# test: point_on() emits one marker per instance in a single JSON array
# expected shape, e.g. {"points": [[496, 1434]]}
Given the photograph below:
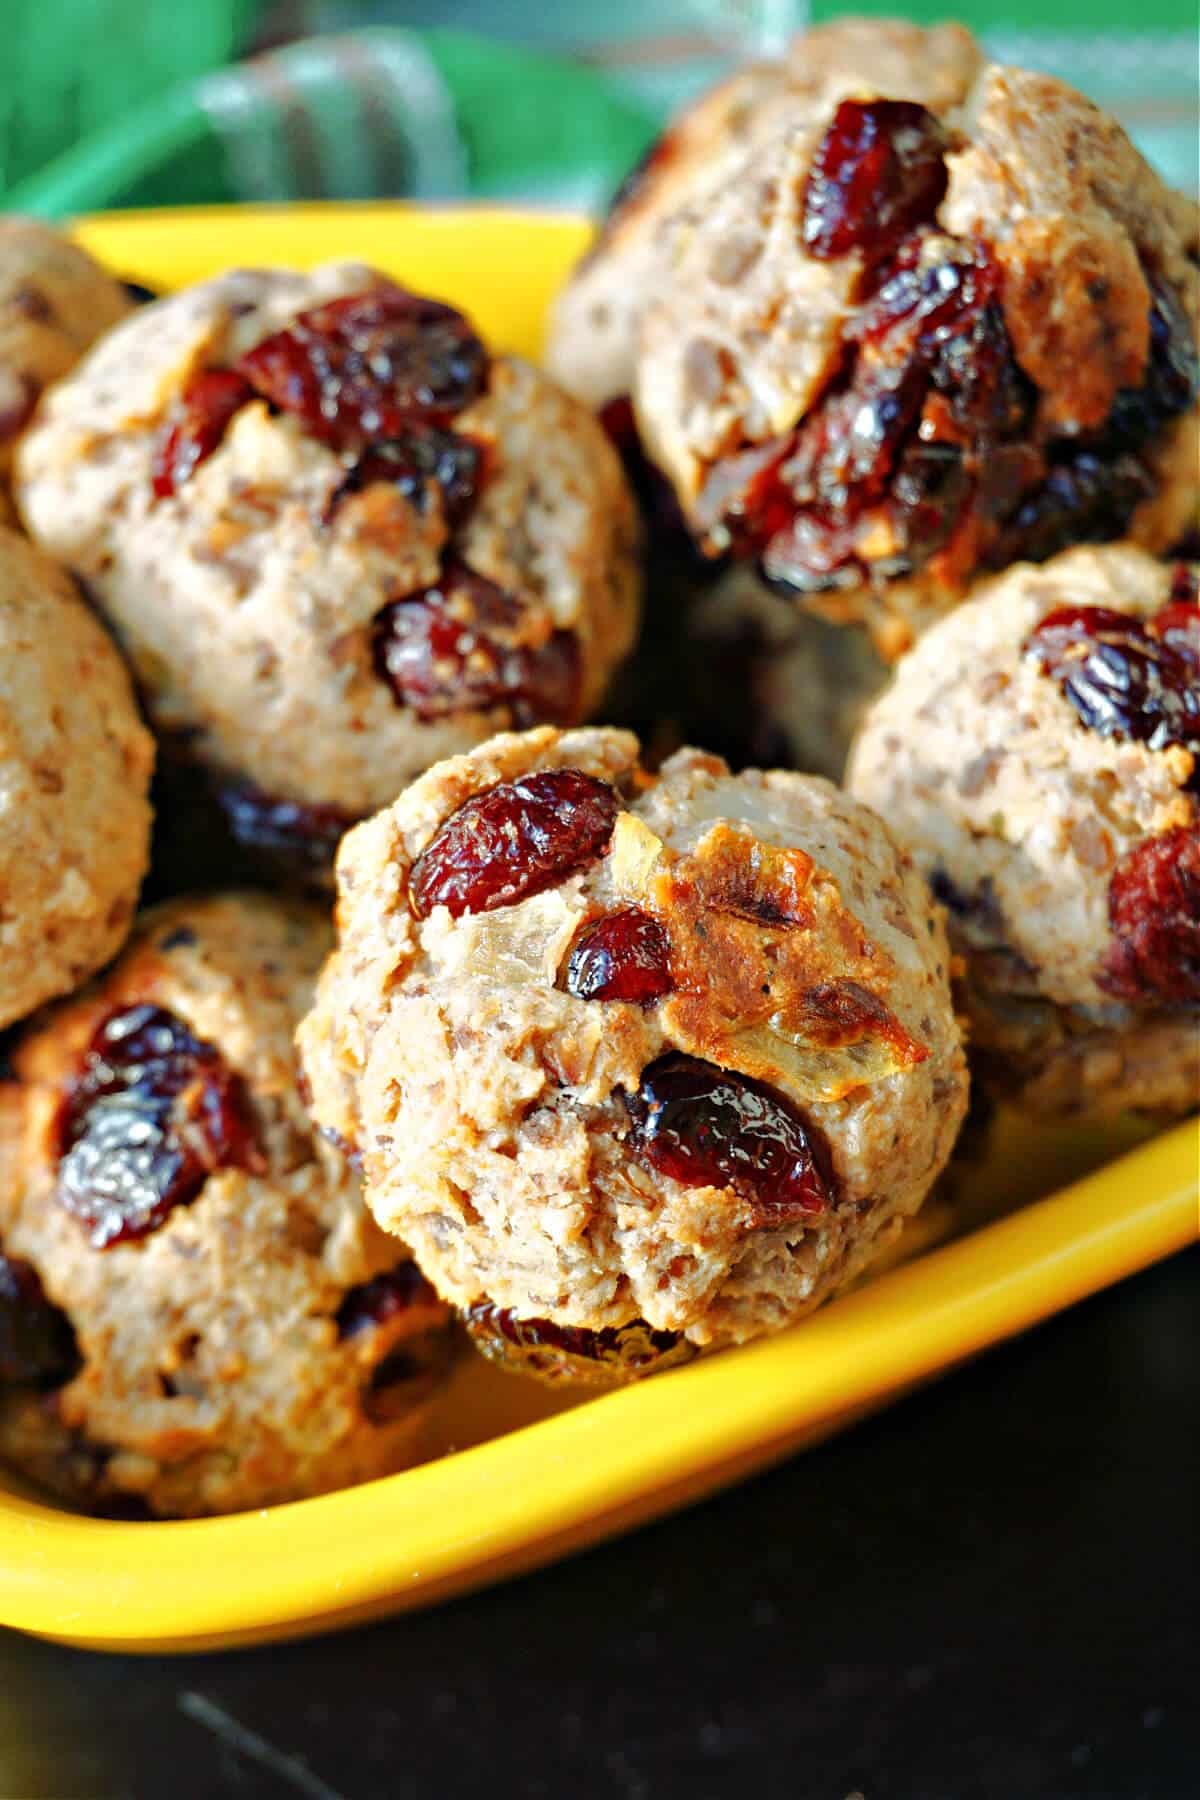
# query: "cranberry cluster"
{"points": [[153, 1111], [920, 445], [1154, 915], [1127, 677]]}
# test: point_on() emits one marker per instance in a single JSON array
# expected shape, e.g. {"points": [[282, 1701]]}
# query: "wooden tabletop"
{"points": [[987, 1593]]}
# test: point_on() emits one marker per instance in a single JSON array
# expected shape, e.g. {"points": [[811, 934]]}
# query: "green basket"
{"points": [[69, 67], [384, 112]]}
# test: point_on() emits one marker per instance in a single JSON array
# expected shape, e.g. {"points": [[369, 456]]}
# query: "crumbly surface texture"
{"points": [[213, 1375], [54, 303], [594, 325], [490, 1104], [75, 763], [745, 330], [982, 768], [247, 606]]}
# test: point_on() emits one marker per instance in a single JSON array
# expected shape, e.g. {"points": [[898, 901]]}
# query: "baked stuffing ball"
{"points": [[196, 1311], [75, 763], [917, 336], [638, 1067], [338, 539], [594, 323], [54, 303], [1039, 754]]}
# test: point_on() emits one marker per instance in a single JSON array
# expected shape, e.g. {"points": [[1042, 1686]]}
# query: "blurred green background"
{"points": [[145, 102]]}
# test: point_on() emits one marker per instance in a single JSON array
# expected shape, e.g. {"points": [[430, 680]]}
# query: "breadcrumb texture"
{"points": [[212, 1376], [595, 321], [54, 303], [982, 768], [75, 764], [246, 608], [488, 1102]]}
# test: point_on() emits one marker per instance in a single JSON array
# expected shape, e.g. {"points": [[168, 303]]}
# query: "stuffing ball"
{"points": [[54, 303], [197, 1314], [919, 334], [594, 323], [75, 764], [1039, 754], [637, 1066], [338, 539]]}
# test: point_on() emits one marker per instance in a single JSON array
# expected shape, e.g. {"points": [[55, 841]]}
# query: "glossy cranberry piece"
{"points": [[930, 388], [383, 1298], [622, 956], [427, 459], [304, 838], [456, 647], [1126, 678], [553, 1352], [152, 1113], [514, 840], [37, 1345], [368, 366], [708, 1127], [1154, 913], [195, 427], [878, 171]]}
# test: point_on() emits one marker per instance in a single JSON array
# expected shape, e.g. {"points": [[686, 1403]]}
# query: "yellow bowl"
{"points": [[519, 1475]]}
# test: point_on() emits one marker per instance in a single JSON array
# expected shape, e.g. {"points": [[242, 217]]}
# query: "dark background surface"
{"points": [[989, 1592]]}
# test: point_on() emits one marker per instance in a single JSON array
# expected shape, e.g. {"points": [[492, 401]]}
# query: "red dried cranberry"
{"points": [[152, 1113], [369, 365], [572, 1352], [37, 1345], [1096, 482], [382, 1298], [930, 385], [623, 956], [456, 647], [878, 171], [1154, 915], [1126, 678], [195, 427], [304, 837], [708, 1127], [514, 840], [425, 458]]}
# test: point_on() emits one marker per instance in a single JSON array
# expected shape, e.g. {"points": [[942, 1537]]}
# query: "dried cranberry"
{"points": [[1083, 499], [1154, 915], [514, 840], [1126, 678], [152, 1113], [383, 1298], [368, 366], [304, 837], [195, 427], [622, 956], [37, 1345], [571, 1352], [708, 1127], [426, 458], [878, 171], [456, 647], [930, 384]]}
